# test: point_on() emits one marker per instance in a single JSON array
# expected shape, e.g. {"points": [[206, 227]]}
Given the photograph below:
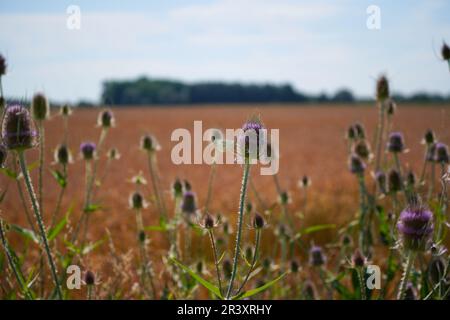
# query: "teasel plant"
{"points": [[382, 95], [18, 136], [40, 110], [358, 263], [62, 157], [429, 140], [209, 224], [137, 204]]}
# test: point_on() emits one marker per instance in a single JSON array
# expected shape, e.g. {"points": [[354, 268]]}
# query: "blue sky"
{"points": [[314, 45]]}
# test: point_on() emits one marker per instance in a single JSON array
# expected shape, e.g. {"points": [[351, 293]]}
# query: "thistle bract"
{"points": [[88, 150], [17, 129], [251, 141], [396, 142], [415, 226], [40, 108]]}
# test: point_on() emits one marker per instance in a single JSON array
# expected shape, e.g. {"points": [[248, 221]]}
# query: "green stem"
{"points": [[239, 227], [22, 199], [210, 186], [41, 164], [408, 266], [216, 260], [362, 285], [255, 257], [380, 129], [363, 215], [90, 290], [145, 272], [40, 223]]}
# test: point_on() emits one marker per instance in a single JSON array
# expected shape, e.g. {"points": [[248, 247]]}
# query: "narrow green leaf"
{"points": [[60, 178], [252, 292], [319, 227], [92, 246], [208, 285], [27, 233], [9, 173]]}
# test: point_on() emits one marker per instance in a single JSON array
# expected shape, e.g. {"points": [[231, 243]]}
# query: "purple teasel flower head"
{"points": [[441, 153], [396, 143], [356, 165], [17, 129], [87, 150], [106, 119], [252, 143], [415, 226], [316, 256], [40, 108], [189, 203]]}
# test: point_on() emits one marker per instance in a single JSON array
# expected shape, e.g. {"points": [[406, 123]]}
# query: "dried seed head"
{"points": [[436, 270], [441, 155], [445, 51], [89, 278], [305, 182], [2, 65], [40, 108], [113, 154], [309, 290], [88, 150], [316, 256], [65, 110], [137, 201], [105, 119], [380, 178], [362, 149], [391, 107], [3, 155], [189, 205], [17, 129], [358, 259], [396, 142], [177, 188], [208, 222], [415, 226], [429, 138], [382, 88], [360, 131], [258, 221], [394, 181], [149, 143], [356, 165], [62, 155], [295, 267]]}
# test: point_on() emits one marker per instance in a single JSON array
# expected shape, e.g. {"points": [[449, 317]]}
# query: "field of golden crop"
{"points": [[312, 142]]}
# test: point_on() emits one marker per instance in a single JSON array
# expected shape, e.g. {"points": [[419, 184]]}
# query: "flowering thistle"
{"points": [[106, 119], [441, 153], [445, 51], [250, 141], [394, 181], [382, 88], [362, 149], [258, 221], [149, 143], [356, 165], [396, 142], [188, 205], [40, 108], [88, 150], [429, 138], [208, 222], [113, 154], [65, 110], [316, 256], [415, 226], [3, 155], [2, 65], [380, 178], [62, 155], [17, 129], [137, 201]]}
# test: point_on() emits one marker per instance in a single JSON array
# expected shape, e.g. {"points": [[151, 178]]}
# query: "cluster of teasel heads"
{"points": [[403, 212]]}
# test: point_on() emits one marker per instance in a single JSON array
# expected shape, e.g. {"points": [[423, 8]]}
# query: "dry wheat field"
{"points": [[140, 227]]}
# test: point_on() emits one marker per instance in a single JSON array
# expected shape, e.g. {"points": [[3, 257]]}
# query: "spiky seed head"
{"points": [[88, 150], [208, 222], [362, 149], [258, 221], [40, 108], [429, 138], [360, 131], [445, 51], [137, 201], [391, 108], [415, 225], [2, 65], [316, 256], [394, 181], [396, 142], [149, 143], [17, 129], [189, 203], [380, 178], [358, 259], [177, 188], [65, 110], [106, 119], [441, 155], [382, 88], [284, 197], [3, 155], [356, 165], [295, 267], [89, 278], [62, 155]]}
